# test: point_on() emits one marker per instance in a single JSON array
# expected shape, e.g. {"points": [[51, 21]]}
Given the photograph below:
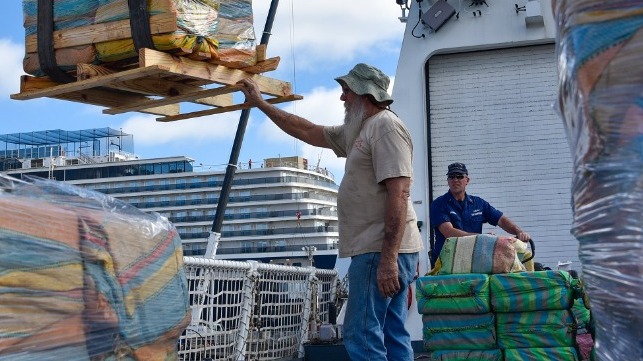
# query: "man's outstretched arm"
{"points": [[448, 230], [510, 227], [293, 125]]}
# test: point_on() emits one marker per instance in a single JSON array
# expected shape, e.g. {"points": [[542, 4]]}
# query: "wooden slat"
{"points": [[151, 85], [96, 96], [187, 97], [113, 30], [232, 108], [260, 51], [263, 66], [215, 73], [90, 83]]}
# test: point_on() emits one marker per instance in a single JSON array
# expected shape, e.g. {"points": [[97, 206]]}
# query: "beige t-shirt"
{"points": [[383, 149]]}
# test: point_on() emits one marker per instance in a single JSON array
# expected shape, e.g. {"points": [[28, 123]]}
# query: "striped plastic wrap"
{"points": [[465, 355], [535, 329], [453, 294], [542, 354], [459, 332], [483, 253], [531, 291], [600, 100], [84, 276]]}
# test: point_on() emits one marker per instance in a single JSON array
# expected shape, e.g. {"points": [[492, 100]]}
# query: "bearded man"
{"points": [[377, 223]]}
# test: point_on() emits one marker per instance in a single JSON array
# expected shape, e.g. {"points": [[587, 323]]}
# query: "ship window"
{"points": [[246, 247]]}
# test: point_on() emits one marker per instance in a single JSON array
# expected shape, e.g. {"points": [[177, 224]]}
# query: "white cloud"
{"points": [[150, 132], [331, 30], [11, 65]]}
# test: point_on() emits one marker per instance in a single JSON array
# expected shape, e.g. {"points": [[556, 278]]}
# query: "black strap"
{"points": [[139, 21], [533, 251], [46, 51]]}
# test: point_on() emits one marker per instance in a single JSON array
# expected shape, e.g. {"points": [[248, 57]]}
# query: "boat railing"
{"points": [[254, 311]]}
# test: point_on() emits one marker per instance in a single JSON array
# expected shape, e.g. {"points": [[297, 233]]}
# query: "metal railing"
{"points": [[253, 311]]}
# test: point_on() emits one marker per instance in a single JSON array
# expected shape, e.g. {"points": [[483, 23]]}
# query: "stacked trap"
{"points": [[505, 313]]}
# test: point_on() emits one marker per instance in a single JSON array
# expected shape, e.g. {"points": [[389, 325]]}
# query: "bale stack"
{"points": [[534, 319], [479, 303], [99, 31], [457, 318]]}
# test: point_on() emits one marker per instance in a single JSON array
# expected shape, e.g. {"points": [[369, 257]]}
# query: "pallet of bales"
{"points": [[145, 55], [482, 302]]}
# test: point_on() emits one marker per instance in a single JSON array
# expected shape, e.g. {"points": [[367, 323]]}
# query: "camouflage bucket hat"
{"points": [[365, 79]]}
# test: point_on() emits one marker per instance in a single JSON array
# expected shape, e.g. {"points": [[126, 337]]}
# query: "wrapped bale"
{"points": [[41, 282], [85, 276], [453, 294], [459, 332], [599, 46], [219, 31], [465, 355], [542, 354], [536, 329], [482, 253], [531, 291]]}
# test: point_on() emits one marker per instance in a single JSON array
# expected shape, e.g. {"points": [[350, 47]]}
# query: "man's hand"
{"points": [[523, 236], [387, 277], [251, 91]]}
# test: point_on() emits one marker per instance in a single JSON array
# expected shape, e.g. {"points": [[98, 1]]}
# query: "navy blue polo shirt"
{"points": [[468, 216]]}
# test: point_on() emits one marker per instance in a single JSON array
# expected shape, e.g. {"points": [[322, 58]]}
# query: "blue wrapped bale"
{"points": [[536, 329], [531, 291], [459, 332], [453, 294]]}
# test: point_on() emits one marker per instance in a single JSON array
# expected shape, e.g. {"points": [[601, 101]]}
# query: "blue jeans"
{"points": [[374, 325]]}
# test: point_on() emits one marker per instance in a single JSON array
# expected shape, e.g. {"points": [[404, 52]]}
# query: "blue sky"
{"points": [[317, 41]]}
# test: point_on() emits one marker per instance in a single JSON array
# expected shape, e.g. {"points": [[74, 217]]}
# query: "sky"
{"points": [[317, 40]]}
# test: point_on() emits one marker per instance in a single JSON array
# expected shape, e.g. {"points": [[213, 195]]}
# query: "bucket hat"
{"points": [[365, 79]]}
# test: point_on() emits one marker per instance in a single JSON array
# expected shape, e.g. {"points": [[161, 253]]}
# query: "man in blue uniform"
{"points": [[458, 214]]}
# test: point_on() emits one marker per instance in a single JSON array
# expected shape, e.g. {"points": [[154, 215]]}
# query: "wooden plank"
{"points": [[215, 73], [187, 97], [95, 96], [263, 66], [260, 51], [151, 86], [113, 30], [203, 113], [90, 83]]}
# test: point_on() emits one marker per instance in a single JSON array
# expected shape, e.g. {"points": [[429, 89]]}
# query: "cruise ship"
{"points": [[280, 211]]}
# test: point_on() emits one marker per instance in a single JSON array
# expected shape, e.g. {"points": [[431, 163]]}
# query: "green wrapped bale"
{"points": [[453, 294], [459, 332], [536, 329], [541, 354], [465, 355], [531, 291]]}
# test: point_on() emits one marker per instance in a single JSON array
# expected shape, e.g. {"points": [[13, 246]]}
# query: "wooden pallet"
{"points": [[159, 85]]}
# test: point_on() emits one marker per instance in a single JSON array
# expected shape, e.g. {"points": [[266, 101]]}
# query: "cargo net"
{"points": [[252, 310]]}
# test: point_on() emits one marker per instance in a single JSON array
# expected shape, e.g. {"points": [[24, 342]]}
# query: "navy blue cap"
{"points": [[457, 168]]}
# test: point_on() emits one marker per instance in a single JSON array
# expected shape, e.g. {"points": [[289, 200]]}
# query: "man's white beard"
{"points": [[354, 116]]}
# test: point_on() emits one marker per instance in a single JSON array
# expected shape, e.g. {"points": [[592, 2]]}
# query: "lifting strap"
{"points": [[139, 24], [46, 52], [139, 21]]}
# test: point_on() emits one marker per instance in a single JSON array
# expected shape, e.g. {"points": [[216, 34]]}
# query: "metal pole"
{"points": [[234, 154]]}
